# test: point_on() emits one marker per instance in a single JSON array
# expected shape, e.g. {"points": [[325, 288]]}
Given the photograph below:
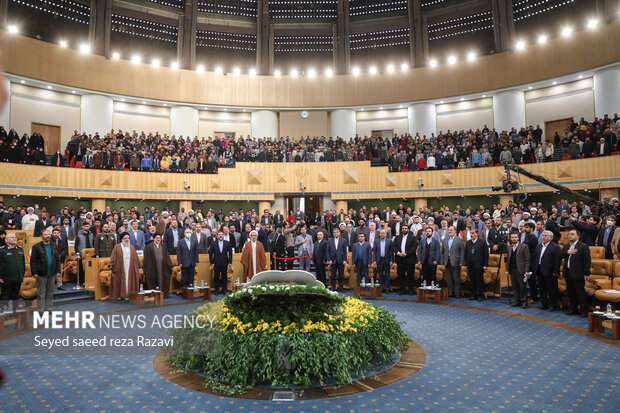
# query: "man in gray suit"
{"points": [[136, 236], [518, 267], [201, 239], [453, 257]]}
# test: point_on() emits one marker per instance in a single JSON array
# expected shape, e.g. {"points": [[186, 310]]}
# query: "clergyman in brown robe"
{"points": [[253, 257], [157, 266], [125, 267], [163, 222]]}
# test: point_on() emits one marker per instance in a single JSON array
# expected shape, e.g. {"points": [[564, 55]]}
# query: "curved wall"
{"points": [[582, 51]]}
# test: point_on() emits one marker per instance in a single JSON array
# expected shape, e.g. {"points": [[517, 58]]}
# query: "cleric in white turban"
{"points": [[253, 257]]}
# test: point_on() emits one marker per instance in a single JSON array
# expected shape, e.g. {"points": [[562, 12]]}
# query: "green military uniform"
{"points": [[104, 243], [12, 269]]}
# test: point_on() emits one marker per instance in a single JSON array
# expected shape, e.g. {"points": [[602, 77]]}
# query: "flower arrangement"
{"points": [[287, 335]]}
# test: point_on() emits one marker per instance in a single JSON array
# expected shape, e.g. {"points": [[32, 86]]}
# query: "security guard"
{"points": [[12, 269], [104, 242]]}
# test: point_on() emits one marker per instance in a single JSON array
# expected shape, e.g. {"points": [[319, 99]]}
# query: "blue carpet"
{"points": [[475, 361]]}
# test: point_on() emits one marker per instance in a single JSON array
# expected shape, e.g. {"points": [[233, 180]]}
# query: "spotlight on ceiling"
{"points": [[116, 55], [49, 87], [592, 24], [520, 45], [329, 72], [252, 72], [554, 83], [144, 102], [567, 31], [311, 73], [236, 71], [63, 43], [404, 67], [294, 73], [471, 56], [135, 59], [542, 39], [462, 99], [155, 63], [174, 65], [219, 70], [372, 70], [390, 68], [433, 63], [451, 59], [356, 71], [380, 107], [277, 73], [84, 48], [200, 69], [13, 29], [580, 76]]}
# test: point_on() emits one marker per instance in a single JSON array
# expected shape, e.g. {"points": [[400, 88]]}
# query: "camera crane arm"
{"points": [[516, 168]]}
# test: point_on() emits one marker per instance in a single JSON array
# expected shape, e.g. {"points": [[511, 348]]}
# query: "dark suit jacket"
{"points": [[203, 245], [362, 254], [351, 238], [579, 262], [169, 240], [532, 242], [320, 252], [393, 228], [551, 225], [522, 258], [434, 253], [410, 248], [476, 255], [337, 256], [376, 251], [39, 226], [187, 257], [220, 258], [280, 245], [550, 260]]}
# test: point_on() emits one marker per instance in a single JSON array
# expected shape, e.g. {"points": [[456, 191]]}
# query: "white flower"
{"points": [[287, 288], [263, 288], [271, 287]]}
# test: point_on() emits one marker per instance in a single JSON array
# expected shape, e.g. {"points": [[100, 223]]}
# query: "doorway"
{"points": [[51, 135], [558, 126], [310, 205], [224, 135]]}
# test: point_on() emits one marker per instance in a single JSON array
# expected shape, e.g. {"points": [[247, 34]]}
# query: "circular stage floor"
{"points": [[486, 358]]}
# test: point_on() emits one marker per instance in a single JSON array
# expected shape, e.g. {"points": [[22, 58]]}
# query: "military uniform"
{"points": [[12, 269], [104, 243]]}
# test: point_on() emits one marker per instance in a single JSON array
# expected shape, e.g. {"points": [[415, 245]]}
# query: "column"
{"points": [[342, 46], [342, 122], [185, 204], [506, 199], [509, 110], [503, 25], [5, 114], [263, 205], [186, 40], [98, 204], [264, 52], [342, 204], [608, 194], [264, 124], [184, 121], [4, 9], [606, 87], [100, 26], [422, 119], [96, 113], [420, 203], [418, 34]]}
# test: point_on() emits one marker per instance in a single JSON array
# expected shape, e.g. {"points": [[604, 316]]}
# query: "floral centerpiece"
{"points": [[287, 335]]}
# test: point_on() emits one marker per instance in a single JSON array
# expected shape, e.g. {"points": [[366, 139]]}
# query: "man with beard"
{"points": [[220, 256], [253, 257], [157, 266], [125, 267]]}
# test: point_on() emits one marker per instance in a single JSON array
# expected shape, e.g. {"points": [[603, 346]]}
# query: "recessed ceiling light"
{"points": [[311, 73], [49, 87], [156, 63], [391, 68], [580, 76], [592, 24], [567, 31], [356, 71], [433, 63], [362, 109], [400, 106], [441, 101], [22, 81], [165, 104], [252, 72], [484, 96], [84, 48], [277, 73], [122, 99], [554, 83], [73, 91], [520, 45], [200, 69], [471, 56], [451, 59], [236, 71], [174, 65], [293, 72], [225, 109], [219, 70], [529, 88], [135, 59], [329, 72], [542, 39], [13, 29], [462, 99], [144, 102], [63, 43], [244, 110], [404, 67], [380, 107], [116, 55], [372, 70]]}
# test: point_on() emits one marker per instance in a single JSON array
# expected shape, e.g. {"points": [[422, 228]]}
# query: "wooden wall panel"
{"points": [[264, 181], [584, 50]]}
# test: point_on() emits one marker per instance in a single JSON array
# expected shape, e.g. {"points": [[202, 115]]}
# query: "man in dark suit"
{"points": [[532, 242], [383, 258], [587, 228], [553, 226], [404, 247], [187, 258], [577, 262], [62, 252], [347, 233], [279, 249], [476, 260], [220, 256], [67, 232], [608, 232], [172, 236], [429, 254], [546, 267], [41, 224], [453, 257], [602, 148], [201, 239], [517, 268], [319, 257], [278, 219], [396, 226], [362, 258], [336, 258]]}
